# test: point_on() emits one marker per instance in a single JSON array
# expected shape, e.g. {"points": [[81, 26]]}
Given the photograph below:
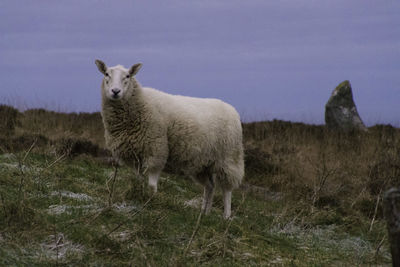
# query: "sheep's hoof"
{"points": [[228, 217], [152, 189]]}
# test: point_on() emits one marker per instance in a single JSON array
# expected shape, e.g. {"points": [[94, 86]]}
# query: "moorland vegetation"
{"points": [[311, 196]]}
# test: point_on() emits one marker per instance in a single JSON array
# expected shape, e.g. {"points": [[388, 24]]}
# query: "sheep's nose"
{"points": [[115, 91]]}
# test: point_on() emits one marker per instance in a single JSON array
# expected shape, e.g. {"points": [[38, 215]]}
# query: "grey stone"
{"points": [[341, 111]]}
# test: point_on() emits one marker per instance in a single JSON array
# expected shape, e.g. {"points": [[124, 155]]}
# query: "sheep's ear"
{"points": [[101, 66], [135, 69]]}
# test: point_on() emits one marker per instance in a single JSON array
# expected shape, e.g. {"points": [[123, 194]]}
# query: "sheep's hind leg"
{"points": [[208, 195], [153, 180], [227, 203]]}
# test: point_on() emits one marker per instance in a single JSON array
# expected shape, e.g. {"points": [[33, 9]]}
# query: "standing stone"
{"points": [[341, 111]]}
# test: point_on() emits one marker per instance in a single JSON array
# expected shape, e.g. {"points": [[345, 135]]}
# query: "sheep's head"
{"points": [[117, 79]]}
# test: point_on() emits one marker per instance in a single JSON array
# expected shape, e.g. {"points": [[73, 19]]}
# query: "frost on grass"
{"points": [[12, 162], [122, 236], [57, 209], [8, 156], [194, 203], [58, 247], [327, 239], [278, 261], [68, 209], [54, 248], [13, 165], [123, 207], [68, 194]]}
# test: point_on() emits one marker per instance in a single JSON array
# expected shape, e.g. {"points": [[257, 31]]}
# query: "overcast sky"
{"points": [[268, 58]]}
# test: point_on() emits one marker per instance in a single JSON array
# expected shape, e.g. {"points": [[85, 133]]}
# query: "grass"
{"points": [[62, 216], [312, 197]]}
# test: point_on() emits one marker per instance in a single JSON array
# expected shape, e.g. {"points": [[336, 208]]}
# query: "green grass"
{"points": [[59, 214]]}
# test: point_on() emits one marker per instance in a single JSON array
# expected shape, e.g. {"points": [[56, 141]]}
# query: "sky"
{"points": [[270, 59]]}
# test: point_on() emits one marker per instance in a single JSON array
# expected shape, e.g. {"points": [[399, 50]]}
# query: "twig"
{"points": [[196, 229], [56, 243], [57, 160], [94, 215], [29, 150], [358, 197], [20, 166], [379, 246], [376, 210]]}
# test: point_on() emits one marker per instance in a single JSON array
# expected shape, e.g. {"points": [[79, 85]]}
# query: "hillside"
{"points": [[311, 197]]}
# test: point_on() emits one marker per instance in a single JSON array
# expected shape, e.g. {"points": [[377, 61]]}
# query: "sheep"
{"points": [[200, 138]]}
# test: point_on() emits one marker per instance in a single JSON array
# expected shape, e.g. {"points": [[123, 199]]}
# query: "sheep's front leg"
{"points": [[227, 203], [153, 180]]}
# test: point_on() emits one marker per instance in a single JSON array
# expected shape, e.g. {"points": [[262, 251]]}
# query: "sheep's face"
{"points": [[117, 80]]}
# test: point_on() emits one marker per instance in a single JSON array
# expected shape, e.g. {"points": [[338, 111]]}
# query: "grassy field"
{"points": [[311, 197]]}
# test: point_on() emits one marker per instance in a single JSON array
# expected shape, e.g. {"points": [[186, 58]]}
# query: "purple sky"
{"points": [[269, 59]]}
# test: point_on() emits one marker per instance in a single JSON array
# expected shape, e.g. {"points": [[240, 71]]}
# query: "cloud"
{"points": [[276, 57]]}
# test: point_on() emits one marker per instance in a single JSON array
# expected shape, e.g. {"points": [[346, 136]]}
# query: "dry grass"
{"points": [[54, 125], [325, 168], [305, 162], [311, 194]]}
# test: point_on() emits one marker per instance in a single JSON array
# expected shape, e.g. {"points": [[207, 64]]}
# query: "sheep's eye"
{"points": [[107, 75], [127, 76]]}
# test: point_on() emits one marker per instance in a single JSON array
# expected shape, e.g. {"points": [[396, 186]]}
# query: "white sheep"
{"points": [[198, 138]]}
